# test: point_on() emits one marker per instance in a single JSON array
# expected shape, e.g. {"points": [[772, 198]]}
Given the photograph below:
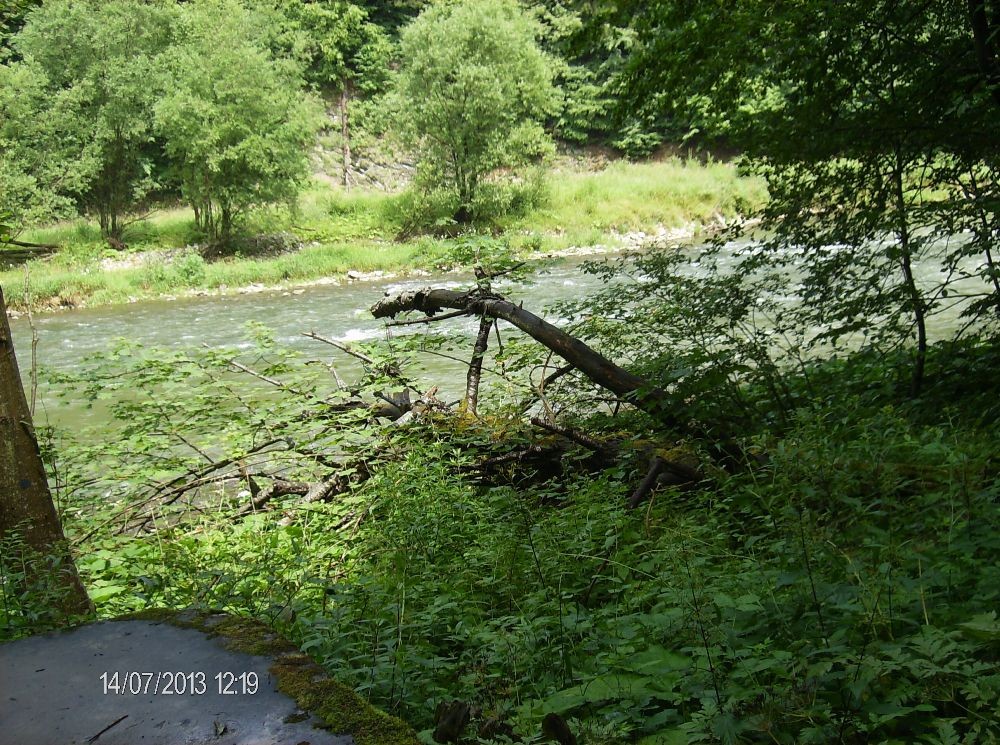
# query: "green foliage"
{"points": [[834, 577], [29, 590], [346, 231], [591, 43], [12, 17], [6, 229], [843, 591], [77, 109], [186, 270], [235, 119], [873, 136], [860, 194], [471, 94], [338, 44]]}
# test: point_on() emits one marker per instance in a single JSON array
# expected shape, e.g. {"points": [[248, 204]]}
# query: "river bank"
{"points": [[335, 237], [428, 264]]}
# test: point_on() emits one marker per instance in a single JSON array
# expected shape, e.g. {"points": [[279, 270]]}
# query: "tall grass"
{"points": [[52, 285], [164, 228], [634, 196], [356, 230]]}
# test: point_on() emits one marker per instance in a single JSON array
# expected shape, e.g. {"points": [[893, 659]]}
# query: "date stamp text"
{"points": [[134, 683]]}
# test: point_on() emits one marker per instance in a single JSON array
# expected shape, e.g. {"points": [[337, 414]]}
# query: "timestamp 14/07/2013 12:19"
{"points": [[134, 683]]}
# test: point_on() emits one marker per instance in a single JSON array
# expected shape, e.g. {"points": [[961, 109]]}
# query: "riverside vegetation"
{"points": [[747, 491], [845, 587], [329, 232]]}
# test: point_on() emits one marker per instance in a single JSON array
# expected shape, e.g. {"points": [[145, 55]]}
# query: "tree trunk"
{"points": [[984, 234], [475, 373], [26, 506], [985, 42], [345, 132], [917, 305], [225, 224], [595, 366]]}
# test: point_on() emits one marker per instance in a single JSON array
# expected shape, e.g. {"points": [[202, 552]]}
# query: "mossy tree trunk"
{"points": [[27, 514]]}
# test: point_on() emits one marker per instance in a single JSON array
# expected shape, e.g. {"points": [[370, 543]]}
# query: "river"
{"points": [[338, 311]]}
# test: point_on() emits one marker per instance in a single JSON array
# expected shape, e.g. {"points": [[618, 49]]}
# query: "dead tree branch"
{"points": [[648, 482], [667, 472], [277, 488], [580, 438], [427, 319], [595, 366], [48, 247], [475, 373], [260, 376], [173, 489], [342, 347]]}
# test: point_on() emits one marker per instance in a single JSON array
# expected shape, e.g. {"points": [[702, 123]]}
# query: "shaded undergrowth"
{"points": [[843, 589]]}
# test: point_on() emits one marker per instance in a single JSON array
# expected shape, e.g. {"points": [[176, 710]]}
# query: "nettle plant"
{"points": [[811, 600]]}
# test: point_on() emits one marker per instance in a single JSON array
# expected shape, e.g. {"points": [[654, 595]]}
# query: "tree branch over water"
{"points": [[591, 363]]}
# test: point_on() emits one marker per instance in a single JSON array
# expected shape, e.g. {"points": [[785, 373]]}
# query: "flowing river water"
{"points": [[337, 311]]}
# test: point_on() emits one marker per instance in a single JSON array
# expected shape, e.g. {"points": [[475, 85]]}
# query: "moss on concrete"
{"points": [[340, 709]]}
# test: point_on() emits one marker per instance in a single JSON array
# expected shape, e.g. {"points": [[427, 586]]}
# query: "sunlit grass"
{"points": [[357, 229], [54, 285], [635, 196]]}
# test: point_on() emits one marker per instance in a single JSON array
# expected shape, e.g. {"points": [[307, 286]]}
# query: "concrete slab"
{"points": [[145, 682]]}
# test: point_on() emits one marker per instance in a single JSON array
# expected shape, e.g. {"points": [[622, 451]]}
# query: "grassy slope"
{"points": [[633, 196], [355, 231]]}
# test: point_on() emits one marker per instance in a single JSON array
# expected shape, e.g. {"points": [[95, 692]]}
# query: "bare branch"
{"points": [[595, 366], [427, 319], [648, 483], [277, 488], [476, 365], [342, 347], [576, 436]]}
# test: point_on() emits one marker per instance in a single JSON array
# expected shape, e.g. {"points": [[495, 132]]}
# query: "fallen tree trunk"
{"points": [[594, 365], [47, 247], [17, 252], [278, 488]]}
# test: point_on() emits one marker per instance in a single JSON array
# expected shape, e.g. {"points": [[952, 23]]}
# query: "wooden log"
{"points": [[594, 365], [647, 484], [46, 247]]}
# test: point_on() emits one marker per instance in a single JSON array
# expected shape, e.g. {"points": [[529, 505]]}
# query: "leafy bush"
{"points": [[190, 269], [844, 590], [511, 199], [424, 211], [472, 92]]}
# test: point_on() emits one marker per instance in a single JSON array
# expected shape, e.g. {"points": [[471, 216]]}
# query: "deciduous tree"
{"points": [[343, 52], [472, 92], [237, 121], [874, 127], [76, 115]]}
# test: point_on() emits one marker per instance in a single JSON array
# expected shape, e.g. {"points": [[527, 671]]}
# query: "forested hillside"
{"points": [[560, 371]]}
